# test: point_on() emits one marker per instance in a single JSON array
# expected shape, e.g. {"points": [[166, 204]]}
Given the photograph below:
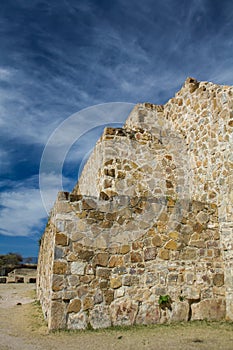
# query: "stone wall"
{"points": [[150, 216]]}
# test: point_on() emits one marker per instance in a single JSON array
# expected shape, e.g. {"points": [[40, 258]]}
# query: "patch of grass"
{"points": [[30, 293], [152, 329], [36, 317]]}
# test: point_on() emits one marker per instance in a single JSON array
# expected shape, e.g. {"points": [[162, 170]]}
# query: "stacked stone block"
{"points": [[150, 216]]}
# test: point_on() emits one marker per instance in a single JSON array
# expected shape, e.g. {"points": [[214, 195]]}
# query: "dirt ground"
{"points": [[23, 328]]}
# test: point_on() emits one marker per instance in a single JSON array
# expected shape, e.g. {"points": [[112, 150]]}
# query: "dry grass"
{"points": [[23, 327]]}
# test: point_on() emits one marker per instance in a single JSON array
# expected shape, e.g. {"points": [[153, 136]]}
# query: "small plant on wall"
{"points": [[165, 301]]}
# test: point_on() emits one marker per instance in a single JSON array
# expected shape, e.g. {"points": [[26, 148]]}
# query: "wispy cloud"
{"points": [[59, 57], [4, 74], [22, 212]]}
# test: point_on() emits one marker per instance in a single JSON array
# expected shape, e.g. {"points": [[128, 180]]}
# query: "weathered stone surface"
{"points": [[72, 257], [82, 290], [101, 259], [61, 239], [103, 284], [87, 303], [59, 252], [130, 280], [180, 311], [57, 283], [108, 296], [157, 241], [85, 254], [197, 227], [150, 253], [137, 245], [121, 270], [120, 292], [67, 295], [151, 279], [148, 313], [164, 254], [202, 217], [77, 321], [78, 268], [103, 272], [192, 292], [211, 310], [188, 254], [56, 296], [74, 306], [136, 257], [86, 278], [72, 280], [116, 261], [59, 267], [57, 319], [124, 249], [218, 279], [100, 317], [123, 312], [98, 297], [171, 245], [115, 282]]}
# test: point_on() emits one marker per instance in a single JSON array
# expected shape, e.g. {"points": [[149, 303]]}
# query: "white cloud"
{"points": [[5, 74], [22, 211], [50, 184]]}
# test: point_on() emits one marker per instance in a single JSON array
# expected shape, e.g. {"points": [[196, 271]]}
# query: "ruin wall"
{"points": [[151, 216]]}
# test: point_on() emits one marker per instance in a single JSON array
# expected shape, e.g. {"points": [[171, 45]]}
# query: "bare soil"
{"points": [[23, 328]]}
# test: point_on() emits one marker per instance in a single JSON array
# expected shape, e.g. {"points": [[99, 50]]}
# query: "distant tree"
{"points": [[10, 259]]}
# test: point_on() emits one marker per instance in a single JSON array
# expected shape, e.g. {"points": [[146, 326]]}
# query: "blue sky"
{"points": [[59, 57]]}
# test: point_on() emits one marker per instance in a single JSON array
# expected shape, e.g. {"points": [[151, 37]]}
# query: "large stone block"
{"points": [[78, 268], [77, 321], [101, 259], [149, 313], [123, 311], [57, 315], [74, 306], [87, 303], [61, 239], [191, 292], [99, 317], [180, 311], [60, 267], [211, 310]]}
